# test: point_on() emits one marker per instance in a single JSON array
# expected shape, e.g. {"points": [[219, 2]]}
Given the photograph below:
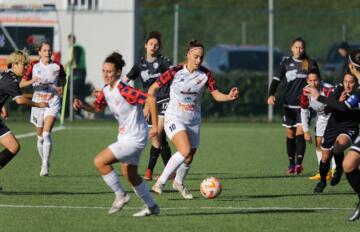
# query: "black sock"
{"points": [[339, 158], [165, 153], [5, 157], [300, 148], [154, 154], [290, 145], [323, 170], [354, 180]]}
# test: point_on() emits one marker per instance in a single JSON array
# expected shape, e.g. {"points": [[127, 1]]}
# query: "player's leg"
{"points": [[154, 155], [102, 163], [12, 146], [324, 168], [350, 165], [289, 122], [318, 140], [47, 144], [165, 148], [342, 142], [140, 188], [300, 148], [37, 119]]}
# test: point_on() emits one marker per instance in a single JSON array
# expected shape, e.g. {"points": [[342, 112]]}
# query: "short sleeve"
{"points": [[131, 95], [165, 78], [100, 102], [134, 72], [211, 83], [13, 89], [279, 73], [28, 72]]}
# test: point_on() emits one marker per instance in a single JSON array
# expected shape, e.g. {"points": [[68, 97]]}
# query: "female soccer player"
{"points": [[125, 103], [351, 104], [47, 78], [148, 69], [295, 70], [9, 87], [183, 116], [340, 132], [307, 102]]}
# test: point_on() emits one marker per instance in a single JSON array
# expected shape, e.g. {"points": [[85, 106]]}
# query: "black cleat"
{"points": [[356, 214], [336, 177], [319, 188]]}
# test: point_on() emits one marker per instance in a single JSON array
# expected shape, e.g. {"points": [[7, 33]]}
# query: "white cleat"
{"points": [[119, 203], [155, 210], [44, 171], [185, 193], [158, 188]]}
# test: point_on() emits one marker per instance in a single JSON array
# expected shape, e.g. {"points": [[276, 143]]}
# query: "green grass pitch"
{"points": [[249, 159]]}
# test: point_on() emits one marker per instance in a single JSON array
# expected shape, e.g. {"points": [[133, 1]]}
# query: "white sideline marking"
{"points": [[21, 136], [178, 208]]}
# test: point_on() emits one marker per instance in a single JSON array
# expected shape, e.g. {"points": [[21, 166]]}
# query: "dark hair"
{"points": [[314, 71], [73, 37], [304, 57], [45, 42], [354, 58], [116, 59], [344, 45], [154, 35], [194, 44]]}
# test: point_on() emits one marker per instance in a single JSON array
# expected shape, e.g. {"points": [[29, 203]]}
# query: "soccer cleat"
{"points": [[44, 171], [356, 214], [147, 211], [185, 193], [320, 186], [148, 175], [336, 177], [158, 187], [298, 169], [290, 170], [118, 203], [315, 177]]}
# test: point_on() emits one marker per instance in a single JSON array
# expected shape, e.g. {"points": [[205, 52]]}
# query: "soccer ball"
{"points": [[210, 187]]}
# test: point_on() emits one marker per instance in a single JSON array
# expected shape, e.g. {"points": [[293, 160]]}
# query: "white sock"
{"points": [[142, 191], [333, 164], [181, 173], [47, 145], [113, 181], [174, 162], [318, 155], [39, 144]]}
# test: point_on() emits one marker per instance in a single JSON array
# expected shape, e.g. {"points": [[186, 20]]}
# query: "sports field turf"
{"points": [[249, 159]]}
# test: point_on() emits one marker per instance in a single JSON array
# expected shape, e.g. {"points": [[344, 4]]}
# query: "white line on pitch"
{"points": [[180, 208], [26, 135]]}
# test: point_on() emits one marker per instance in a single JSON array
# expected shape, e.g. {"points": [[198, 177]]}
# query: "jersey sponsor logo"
{"points": [[292, 65], [291, 75], [186, 107], [156, 65], [146, 76]]}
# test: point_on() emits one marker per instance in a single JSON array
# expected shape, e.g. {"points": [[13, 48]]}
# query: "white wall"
{"points": [[101, 32]]}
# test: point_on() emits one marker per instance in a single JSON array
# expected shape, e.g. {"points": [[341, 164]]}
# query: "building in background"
{"points": [[102, 26]]}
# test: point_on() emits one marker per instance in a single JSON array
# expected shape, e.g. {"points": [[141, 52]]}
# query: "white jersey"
{"points": [[123, 101], [307, 102], [186, 89], [48, 79]]}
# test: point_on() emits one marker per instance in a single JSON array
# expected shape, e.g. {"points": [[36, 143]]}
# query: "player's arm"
{"points": [[278, 75], [97, 106], [151, 103], [22, 100], [221, 97]]}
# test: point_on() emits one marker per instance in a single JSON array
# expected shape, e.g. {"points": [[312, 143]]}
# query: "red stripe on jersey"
{"points": [[304, 100], [167, 76], [100, 102], [28, 72], [131, 95], [211, 83], [327, 91]]}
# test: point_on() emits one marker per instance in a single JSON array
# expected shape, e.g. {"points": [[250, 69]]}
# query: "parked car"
{"points": [[226, 58], [333, 60]]}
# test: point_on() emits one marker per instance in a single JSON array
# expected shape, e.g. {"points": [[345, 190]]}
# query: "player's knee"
{"points": [[98, 163], [348, 166], [14, 148]]}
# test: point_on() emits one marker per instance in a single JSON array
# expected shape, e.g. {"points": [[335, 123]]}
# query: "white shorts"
{"points": [[38, 115], [321, 123], [172, 126], [127, 151]]}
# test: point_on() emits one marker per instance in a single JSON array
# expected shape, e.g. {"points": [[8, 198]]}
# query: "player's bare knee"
{"points": [[98, 163], [14, 148], [348, 166]]}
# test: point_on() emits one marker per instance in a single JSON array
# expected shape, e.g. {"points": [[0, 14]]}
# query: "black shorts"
{"points": [[3, 128], [356, 145], [331, 134], [291, 117], [162, 106]]}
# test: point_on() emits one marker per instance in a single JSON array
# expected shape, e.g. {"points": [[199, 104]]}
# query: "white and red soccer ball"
{"points": [[210, 187]]}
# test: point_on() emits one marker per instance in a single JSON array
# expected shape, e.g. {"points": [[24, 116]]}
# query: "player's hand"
{"points": [[43, 104], [312, 91], [234, 93], [59, 90], [307, 137], [271, 100], [78, 104], [35, 79], [4, 113], [153, 132], [343, 96]]}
